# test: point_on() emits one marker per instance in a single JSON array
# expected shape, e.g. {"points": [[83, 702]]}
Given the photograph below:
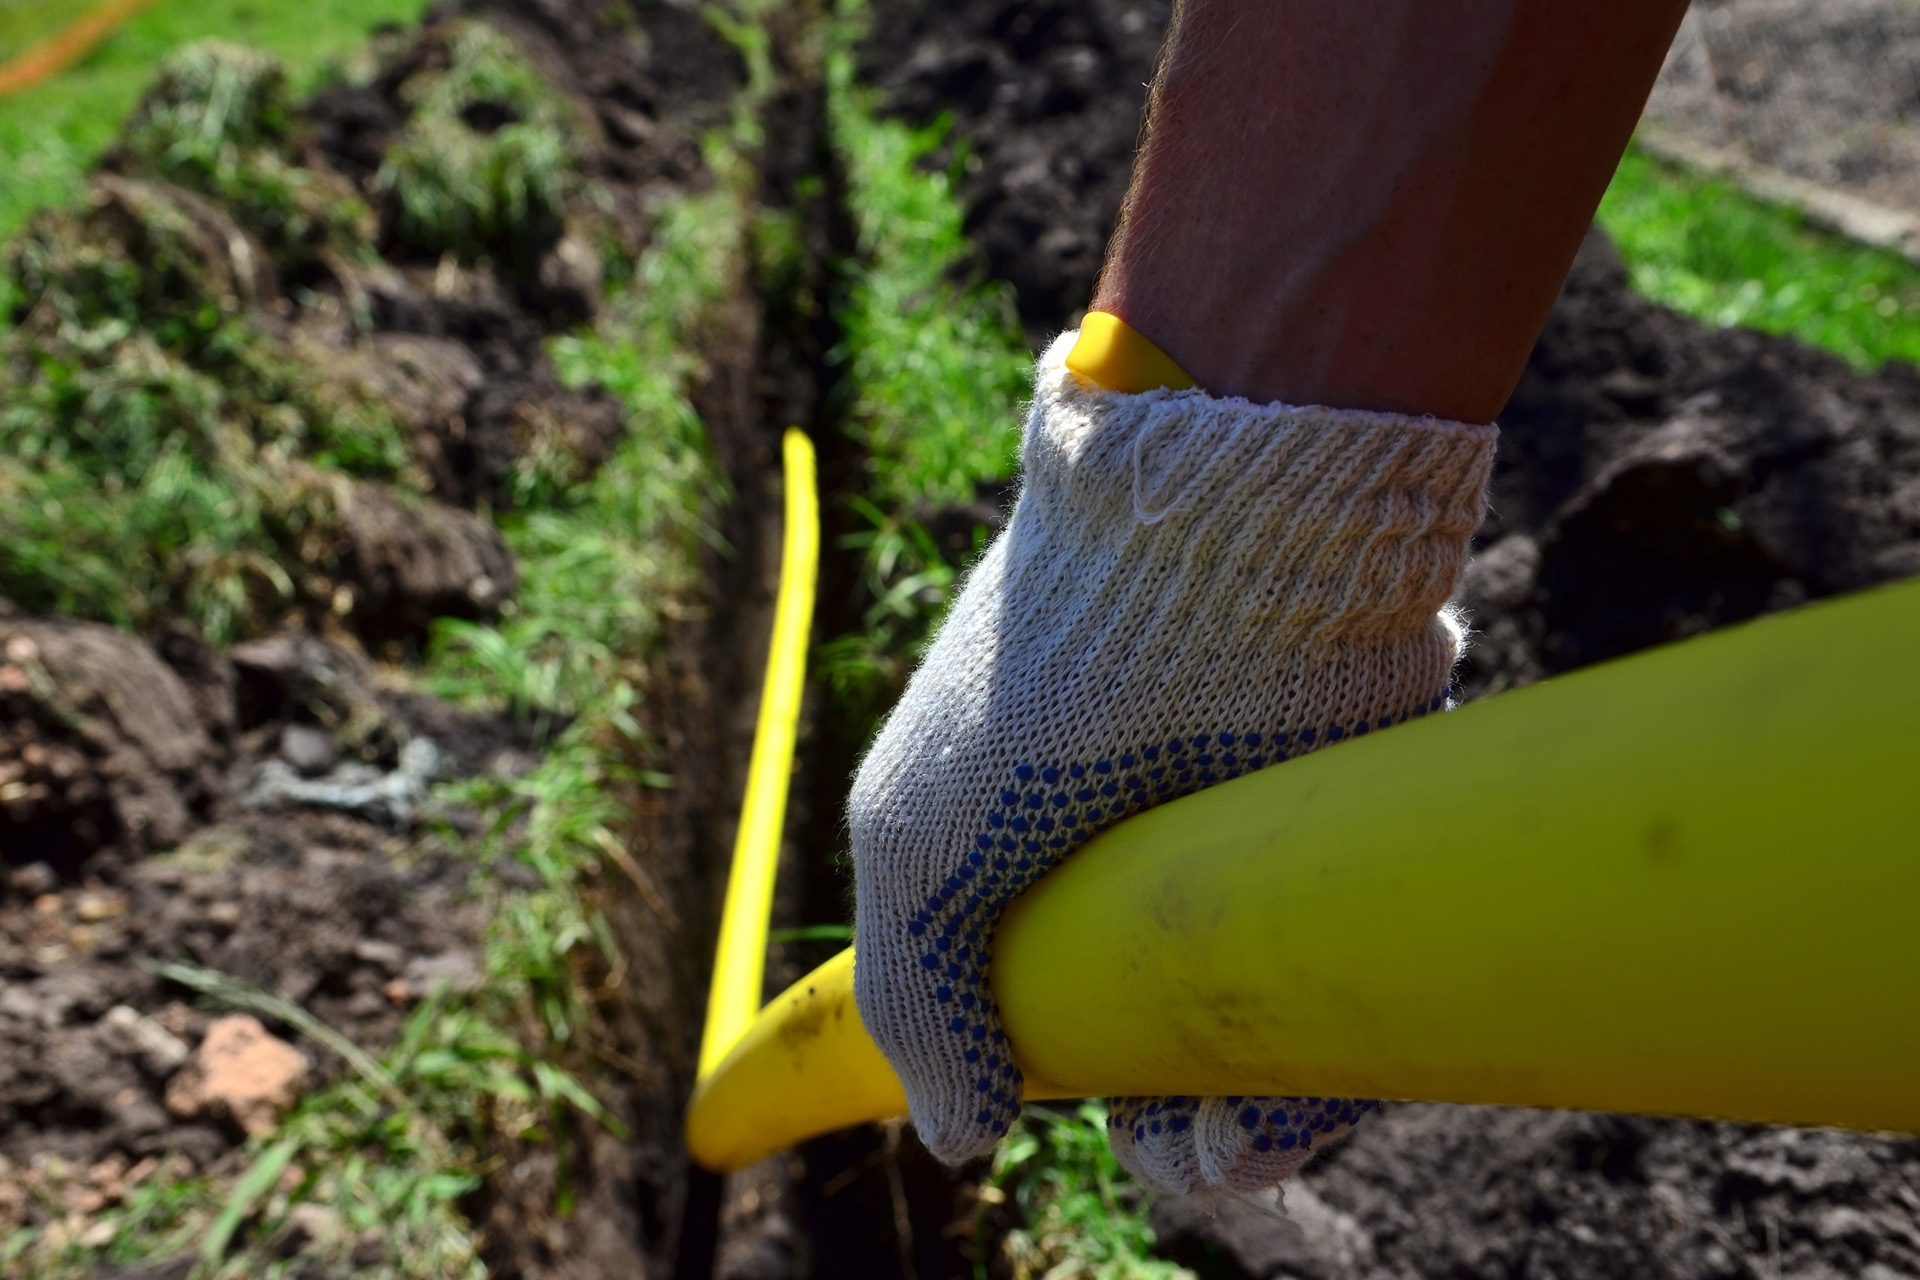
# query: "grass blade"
{"points": [[259, 1179]]}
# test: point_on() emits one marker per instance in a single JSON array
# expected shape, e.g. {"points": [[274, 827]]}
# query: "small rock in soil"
{"points": [[307, 749], [456, 971], [33, 880], [385, 955], [142, 1038], [389, 798], [240, 1072]]}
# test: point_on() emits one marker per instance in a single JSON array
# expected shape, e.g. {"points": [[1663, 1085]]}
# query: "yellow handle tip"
{"points": [[1114, 355]]}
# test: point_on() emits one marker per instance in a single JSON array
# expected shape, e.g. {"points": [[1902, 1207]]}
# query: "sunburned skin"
{"points": [[1372, 205]]}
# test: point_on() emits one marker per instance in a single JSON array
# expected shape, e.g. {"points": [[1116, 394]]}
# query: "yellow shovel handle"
{"points": [[739, 962], [1686, 882]]}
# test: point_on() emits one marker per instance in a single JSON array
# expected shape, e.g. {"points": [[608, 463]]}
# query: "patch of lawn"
{"points": [[935, 369], [24, 23], [1706, 248], [161, 453], [50, 134], [936, 363]]}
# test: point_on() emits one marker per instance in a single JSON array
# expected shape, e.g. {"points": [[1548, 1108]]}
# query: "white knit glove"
{"points": [[1189, 588]]}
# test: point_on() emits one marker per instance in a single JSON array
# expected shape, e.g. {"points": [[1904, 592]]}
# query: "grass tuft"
{"points": [[934, 369], [1706, 248], [398, 1145], [934, 357], [51, 135], [219, 121], [160, 454], [1082, 1216], [484, 168]]}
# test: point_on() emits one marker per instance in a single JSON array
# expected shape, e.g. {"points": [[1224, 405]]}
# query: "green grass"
{"points": [[934, 370], [475, 194], [50, 134], [219, 120], [401, 1140], [162, 454], [1081, 1215], [597, 572], [936, 364], [1704, 247], [24, 23]]}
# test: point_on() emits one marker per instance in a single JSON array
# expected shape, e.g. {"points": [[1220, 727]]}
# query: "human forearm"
{"points": [[1373, 205]]}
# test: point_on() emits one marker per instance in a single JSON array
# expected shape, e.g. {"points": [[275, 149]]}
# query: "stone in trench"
{"points": [[145, 1040], [241, 1072], [308, 748], [457, 971], [353, 787]]}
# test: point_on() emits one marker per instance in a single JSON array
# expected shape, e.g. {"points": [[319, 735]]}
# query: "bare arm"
{"points": [[1371, 203]]}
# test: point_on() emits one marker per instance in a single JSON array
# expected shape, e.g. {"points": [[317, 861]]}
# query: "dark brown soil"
{"points": [[1479, 1192], [1046, 99], [1657, 478], [164, 801], [119, 749]]}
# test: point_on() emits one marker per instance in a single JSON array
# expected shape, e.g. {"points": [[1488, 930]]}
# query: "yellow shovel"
{"points": [[1686, 882]]}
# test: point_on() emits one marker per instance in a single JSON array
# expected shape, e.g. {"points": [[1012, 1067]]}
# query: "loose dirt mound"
{"points": [[1659, 478], [1656, 479], [105, 747]]}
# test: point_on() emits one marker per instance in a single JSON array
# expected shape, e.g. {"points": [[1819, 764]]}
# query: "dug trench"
{"points": [[207, 809], [1657, 479]]}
